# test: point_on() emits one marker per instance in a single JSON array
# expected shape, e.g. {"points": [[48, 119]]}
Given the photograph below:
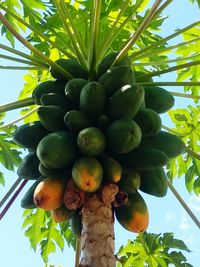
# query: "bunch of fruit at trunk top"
{"points": [[91, 133]]}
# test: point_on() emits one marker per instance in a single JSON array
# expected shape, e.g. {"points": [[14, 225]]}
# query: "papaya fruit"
{"points": [[107, 61], [158, 99], [52, 117], [76, 223], [47, 87], [57, 150], [112, 170], [122, 136], [166, 142], [48, 194], [115, 78], [92, 99], [70, 65], [51, 172], [73, 90], [130, 181], [125, 102], [28, 167], [29, 135], [149, 121], [87, 174], [27, 201], [154, 182], [91, 141], [56, 100], [61, 214], [138, 77], [144, 159], [102, 122], [134, 215], [76, 121]]}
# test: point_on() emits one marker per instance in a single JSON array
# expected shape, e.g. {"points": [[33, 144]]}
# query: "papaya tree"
{"points": [[92, 127]]}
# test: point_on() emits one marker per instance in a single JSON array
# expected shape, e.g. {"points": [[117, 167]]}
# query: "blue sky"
{"points": [[166, 214]]}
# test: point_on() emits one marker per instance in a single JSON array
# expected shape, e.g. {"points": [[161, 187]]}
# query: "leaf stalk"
{"points": [[138, 32], [17, 104]]}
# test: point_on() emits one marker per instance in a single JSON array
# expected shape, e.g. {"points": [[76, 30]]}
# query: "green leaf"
{"points": [[2, 180], [153, 250]]}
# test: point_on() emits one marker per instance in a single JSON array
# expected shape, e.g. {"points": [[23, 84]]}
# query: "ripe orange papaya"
{"points": [[48, 194], [87, 174], [134, 215], [61, 214]]}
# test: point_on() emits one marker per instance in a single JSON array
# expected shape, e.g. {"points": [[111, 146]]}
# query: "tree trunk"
{"points": [[97, 238]]}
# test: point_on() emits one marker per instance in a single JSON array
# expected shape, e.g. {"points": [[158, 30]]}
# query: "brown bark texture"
{"points": [[97, 238]]}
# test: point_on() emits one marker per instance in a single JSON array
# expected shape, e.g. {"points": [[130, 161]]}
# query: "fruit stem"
{"points": [[35, 30], [69, 32], [33, 49], [12, 199], [17, 104], [78, 252], [163, 41], [19, 119], [183, 203], [145, 23], [10, 191], [21, 54], [94, 34], [174, 68]]}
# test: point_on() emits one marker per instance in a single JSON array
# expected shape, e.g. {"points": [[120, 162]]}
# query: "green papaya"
{"points": [[102, 122], [73, 90], [125, 102], [134, 215], [56, 100], [166, 142], [116, 77], [57, 150], [149, 121], [76, 121], [51, 172], [158, 99], [122, 136], [28, 167], [130, 181], [91, 141], [27, 201], [112, 170], [76, 223], [107, 61], [70, 65], [138, 77], [154, 182], [92, 99], [29, 135], [52, 117], [144, 159], [47, 87]]}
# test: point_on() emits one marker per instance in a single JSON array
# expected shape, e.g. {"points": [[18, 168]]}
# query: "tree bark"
{"points": [[97, 238]]}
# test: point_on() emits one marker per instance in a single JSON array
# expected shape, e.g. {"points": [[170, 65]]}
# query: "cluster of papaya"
{"points": [[91, 133]]}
